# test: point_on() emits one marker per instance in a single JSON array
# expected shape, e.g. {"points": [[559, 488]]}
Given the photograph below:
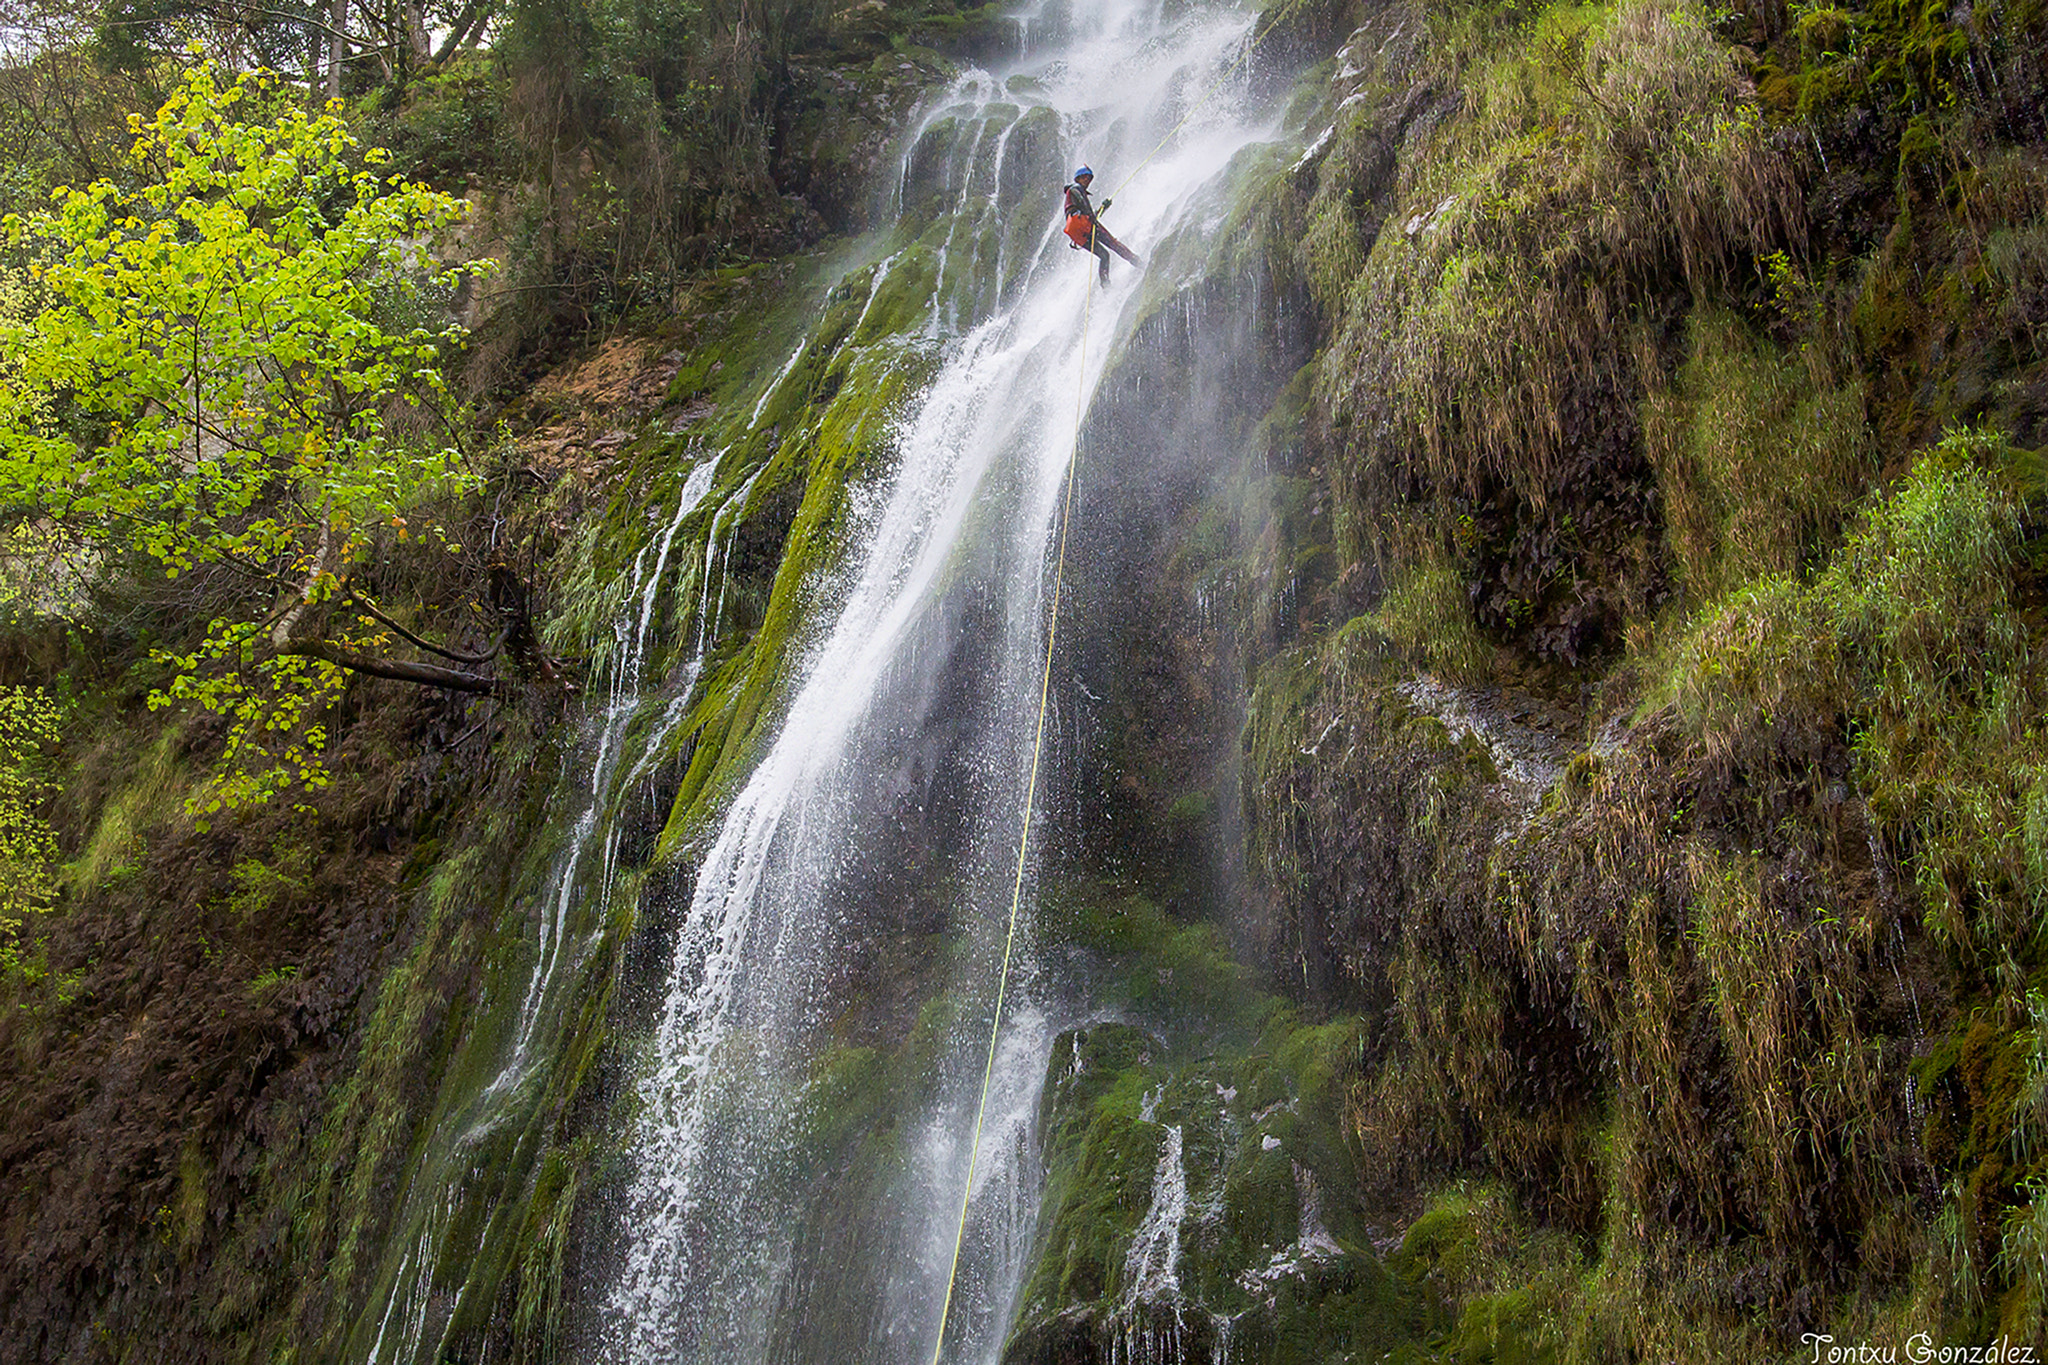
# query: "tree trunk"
{"points": [[337, 46], [519, 644], [474, 16], [416, 41]]}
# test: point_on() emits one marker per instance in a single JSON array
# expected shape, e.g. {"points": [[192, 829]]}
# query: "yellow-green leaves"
{"points": [[218, 333], [199, 366], [28, 846], [272, 703]]}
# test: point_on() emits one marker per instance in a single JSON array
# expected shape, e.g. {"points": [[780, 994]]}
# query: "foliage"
{"points": [[1755, 458], [61, 107], [1484, 342], [1891, 56], [28, 845], [218, 330], [1635, 148], [639, 133], [1913, 636], [212, 379], [1677, 1009], [1425, 613]]}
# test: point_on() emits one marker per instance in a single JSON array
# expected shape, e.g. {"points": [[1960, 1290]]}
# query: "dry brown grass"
{"points": [[1578, 179], [1756, 460]]}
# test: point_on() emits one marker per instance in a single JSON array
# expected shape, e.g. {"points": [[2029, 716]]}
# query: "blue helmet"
{"points": [[1081, 171]]}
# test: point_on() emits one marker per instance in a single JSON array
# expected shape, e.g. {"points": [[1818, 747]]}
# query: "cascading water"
{"points": [[1151, 1269], [914, 703], [483, 1133]]}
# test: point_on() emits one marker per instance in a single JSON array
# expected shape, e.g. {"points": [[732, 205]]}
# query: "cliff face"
{"points": [[1548, 822], [1643, 763], [1632, 589]]}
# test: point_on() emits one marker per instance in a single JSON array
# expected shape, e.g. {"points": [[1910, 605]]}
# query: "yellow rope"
{"points": [[1044, 693], [1052, 626]]}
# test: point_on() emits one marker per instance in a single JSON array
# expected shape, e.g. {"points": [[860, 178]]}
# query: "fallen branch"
{"points": [[370, 608]]}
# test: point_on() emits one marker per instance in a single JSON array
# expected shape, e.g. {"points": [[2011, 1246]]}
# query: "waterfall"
{"points": [[928, 666], [837, 928], [1152, 1267], [483, 1133]]}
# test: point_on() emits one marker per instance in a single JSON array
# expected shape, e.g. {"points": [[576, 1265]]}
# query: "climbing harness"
{"points": [[1052, 624]]}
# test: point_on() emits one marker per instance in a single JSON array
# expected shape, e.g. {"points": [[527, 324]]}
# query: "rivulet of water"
{"points": [[482, 1133], [914, 704]]}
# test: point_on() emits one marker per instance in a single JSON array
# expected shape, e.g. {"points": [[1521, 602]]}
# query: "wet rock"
{"points": [[1177, 1229], [1530, 740]]}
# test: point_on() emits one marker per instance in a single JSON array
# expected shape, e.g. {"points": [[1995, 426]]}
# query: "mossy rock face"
{"points": [[839, 138], [1030, 164], [1201, 1205], [1262, 1201], [1500, 1329]]}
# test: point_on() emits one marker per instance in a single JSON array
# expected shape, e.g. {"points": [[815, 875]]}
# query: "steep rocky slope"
{"points": [[1646, 752]]}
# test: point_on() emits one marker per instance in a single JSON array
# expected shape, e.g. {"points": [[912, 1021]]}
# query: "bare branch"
{"points": [[428, 675], [361, 601]]}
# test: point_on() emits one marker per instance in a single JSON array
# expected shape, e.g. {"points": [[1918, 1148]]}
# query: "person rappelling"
{"points": [[1084, 229]]}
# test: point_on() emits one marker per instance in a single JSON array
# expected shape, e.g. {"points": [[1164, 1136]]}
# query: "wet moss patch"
{"points": [[1272, 1249]]}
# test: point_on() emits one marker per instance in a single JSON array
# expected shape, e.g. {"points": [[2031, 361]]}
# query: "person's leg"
{"points": [[1114, 245], [1102, 256]]}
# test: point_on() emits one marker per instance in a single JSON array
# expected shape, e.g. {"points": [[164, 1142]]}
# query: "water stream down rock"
{"points": [[758, 1222]]}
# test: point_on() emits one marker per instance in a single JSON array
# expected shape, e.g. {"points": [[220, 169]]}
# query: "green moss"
{"points": [[1484, 317], [900, 296], [1261, 1205], [1260, 1122], [1890, 55], [1193, 979], [369, 1113], [1506, 1328], [1106, 1190], [155, 794], [694, 377], [1082, 914], [1515, 1287], [543, 1238], [850, 1095], [1755, 459], [1193, 808], [1775, 677], [1426, 614], [356, 1212], [1347, 1310], [820, 429], [737, 705]]}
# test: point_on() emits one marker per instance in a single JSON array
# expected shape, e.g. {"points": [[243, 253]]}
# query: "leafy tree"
{"points": [[28, 846], [209, 375], [62, 111]]}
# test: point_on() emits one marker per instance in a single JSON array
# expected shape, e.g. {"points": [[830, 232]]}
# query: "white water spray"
{"points": [[714, 1268]]}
